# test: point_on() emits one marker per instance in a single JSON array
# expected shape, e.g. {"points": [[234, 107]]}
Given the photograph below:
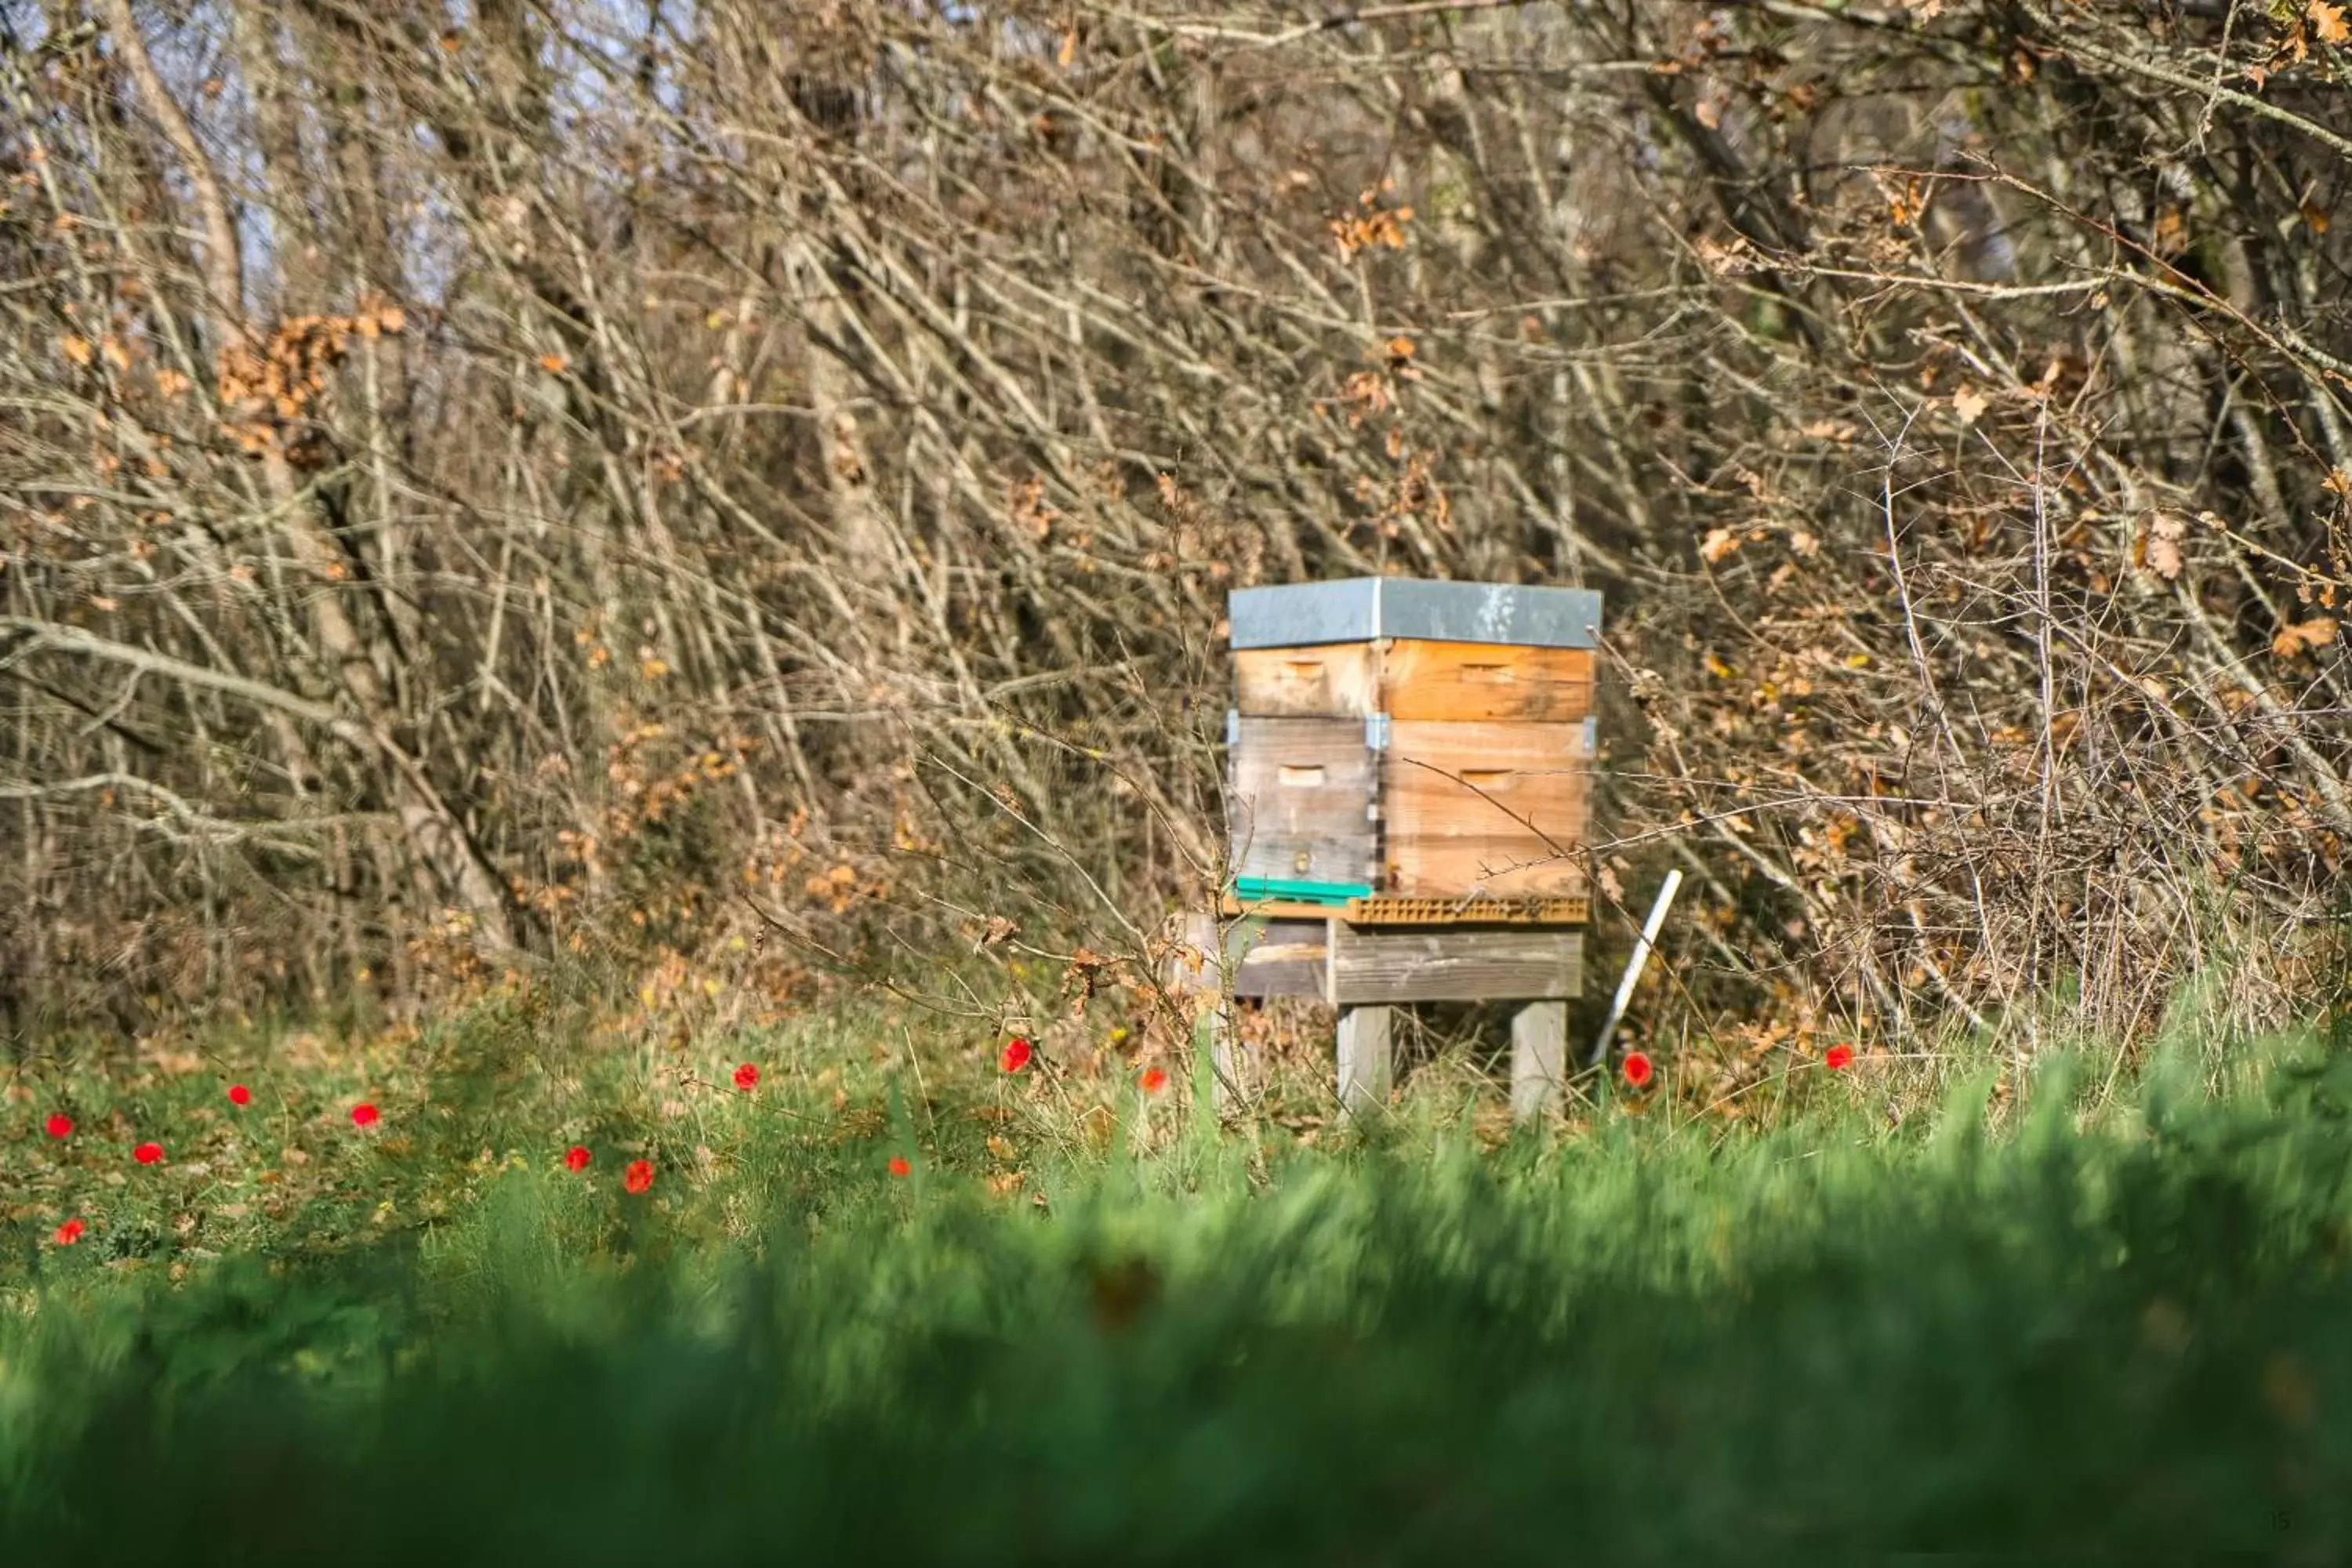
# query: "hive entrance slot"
{"points": [[1301, 778]]}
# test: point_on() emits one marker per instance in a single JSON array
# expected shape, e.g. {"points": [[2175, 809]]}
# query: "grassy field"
{"points": [[1082, 1327]]}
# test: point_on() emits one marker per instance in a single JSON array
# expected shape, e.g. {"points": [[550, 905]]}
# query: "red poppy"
{"points": [[148, 1153], [1639, 1069], [1840, 1058], [638, 1176], [59, 1125], [70, 1232], [1153, 1081], [576, 1158], [1017, 1053], [899, 1167], [240, 1095], [746, 1078], [364, 1115]]}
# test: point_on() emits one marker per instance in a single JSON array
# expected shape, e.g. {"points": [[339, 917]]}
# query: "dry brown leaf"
{"points": [[2327, 21], [553, 364], [1969, 405], [76, 348], [2171, 232], [2164, 537], [1069, 50], [1718, 543], [2304, 636]]}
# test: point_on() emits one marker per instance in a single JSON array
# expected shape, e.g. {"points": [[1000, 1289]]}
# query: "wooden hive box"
{"points": [[1412, 746]]}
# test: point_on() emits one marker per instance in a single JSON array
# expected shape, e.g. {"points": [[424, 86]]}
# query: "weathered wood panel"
{"points": [[1339, 681], [1266, 958], [1376, 966], [1302, 799], [1468, 682], [1458, 682], [1288, 959], [1494, 808]]}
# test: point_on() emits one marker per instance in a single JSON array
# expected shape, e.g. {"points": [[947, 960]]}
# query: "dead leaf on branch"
{"points": [[1969, 405], [2304, 636], [2159, 549], [1083, 977]]}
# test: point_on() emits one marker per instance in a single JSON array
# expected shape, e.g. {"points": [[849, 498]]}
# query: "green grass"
{"points": [[2119, 1333]]}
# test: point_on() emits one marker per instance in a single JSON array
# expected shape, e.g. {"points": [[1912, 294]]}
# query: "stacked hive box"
{"points": [[1408, 774]]}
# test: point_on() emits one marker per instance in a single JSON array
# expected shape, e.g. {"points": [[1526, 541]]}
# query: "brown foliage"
{"points": [[880, 399]]}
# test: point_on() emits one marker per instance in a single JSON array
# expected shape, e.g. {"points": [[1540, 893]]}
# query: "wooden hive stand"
{"points": [[1408, 770]]}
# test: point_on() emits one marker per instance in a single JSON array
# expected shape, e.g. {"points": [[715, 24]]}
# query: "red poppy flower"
{"points": [[148, 1153], [364, 1115], [899, 1167], [1639, 1069], [746, 1078], [1017, 1054], [59, 1125], [70, 1232], [638, 1176], [240, 1095], [576, 1158], [1840, 1058], [1153, 1081]]}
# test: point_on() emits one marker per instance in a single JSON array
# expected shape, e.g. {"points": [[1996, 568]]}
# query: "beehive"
{"points": [[1407, 745]]}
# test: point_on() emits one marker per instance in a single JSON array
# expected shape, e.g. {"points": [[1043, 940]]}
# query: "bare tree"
{"points": [[556, 464]]}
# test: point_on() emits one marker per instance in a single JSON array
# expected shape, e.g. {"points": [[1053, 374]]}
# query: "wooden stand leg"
{"points": [[1366, 1062], [1538, 1059]]}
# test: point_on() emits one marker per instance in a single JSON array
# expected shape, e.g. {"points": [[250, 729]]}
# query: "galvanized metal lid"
{"points": [[1360, 609]]}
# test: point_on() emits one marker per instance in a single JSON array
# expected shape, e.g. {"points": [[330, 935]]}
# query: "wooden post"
{"points": [[1367, 1061], [1538, 1059]]}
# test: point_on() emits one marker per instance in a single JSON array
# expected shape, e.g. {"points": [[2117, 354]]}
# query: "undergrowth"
{"points": [[2082, 1318]]}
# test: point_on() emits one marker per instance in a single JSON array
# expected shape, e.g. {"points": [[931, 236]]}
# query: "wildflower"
{"points": [[1154, 1079], [364, 1115], [746, 1078], [240, 1095], [1017, 1053], [59, 1125], [638, 1176], [576, 1158], [1840, 1058], [148, 1153], [70, 1232], [1639, 1069], [900, 1166]]}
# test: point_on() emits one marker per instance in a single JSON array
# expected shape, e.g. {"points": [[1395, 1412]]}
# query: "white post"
{"points": [[1640, 961]]}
